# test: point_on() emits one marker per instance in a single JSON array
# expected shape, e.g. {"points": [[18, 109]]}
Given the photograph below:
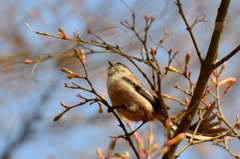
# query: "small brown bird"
{"points": [[134, 102]]}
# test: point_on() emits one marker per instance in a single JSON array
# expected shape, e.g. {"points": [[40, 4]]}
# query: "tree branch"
{"points": [[225, 58], [189, 29], [205, 72]]}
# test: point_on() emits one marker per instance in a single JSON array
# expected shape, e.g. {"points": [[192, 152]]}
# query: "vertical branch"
{"points": [[205, 72], [217, 34]]}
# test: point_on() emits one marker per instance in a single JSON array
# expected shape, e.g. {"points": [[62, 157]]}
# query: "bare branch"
{"points": [[189, 29], [205, 71], [225, 58]]}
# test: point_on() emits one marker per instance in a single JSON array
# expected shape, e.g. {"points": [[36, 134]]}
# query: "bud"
{"points": [[232, 81], [177, 51], [113, 143], [228, 138], [213, 79], [152, 52], [152, 18], [146, 18], [119, 154], [127, 154], [99, 153], [153, 149], [89, 31], [169, 68], [176, 85], [136, 136], [133, 15], [70, 76], [93, 41], [61, 32], [187, 58], [176, 139], [140, 143], [150, 138], [82, 52], [82, 55], [166, 96], [100, 110], [64, 105], [187, 100], [168, 129], [170, 51], [178, 115], [222, 68], [60, 29], [223, 140], [164, 150], [65, 70], [205, 99], [237, 125], [58, 116], [208, 90], [228, 80], [126, 120], [76, 51], [103, 95], [28, 61], [214, 72], [66, 85], [79, 95], [62, 35]]}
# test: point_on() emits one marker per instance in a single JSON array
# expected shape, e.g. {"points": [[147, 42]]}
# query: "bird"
{"points": [[133, 101], [129, 97]]}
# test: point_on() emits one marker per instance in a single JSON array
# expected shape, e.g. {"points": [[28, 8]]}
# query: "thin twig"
{"points": [[166, 34], [189, 29], [35, 66], [225, 58]]}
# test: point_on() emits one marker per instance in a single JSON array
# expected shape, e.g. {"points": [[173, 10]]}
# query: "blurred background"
{"points": [[27, 108]]}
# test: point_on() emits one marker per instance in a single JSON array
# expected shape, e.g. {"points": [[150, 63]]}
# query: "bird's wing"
{"points": [[137, 85]]}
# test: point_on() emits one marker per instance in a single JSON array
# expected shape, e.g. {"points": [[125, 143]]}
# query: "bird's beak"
{"points": [[110, 64]]}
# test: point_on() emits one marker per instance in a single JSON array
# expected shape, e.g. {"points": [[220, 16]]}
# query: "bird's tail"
{"points": [[206, 129]]}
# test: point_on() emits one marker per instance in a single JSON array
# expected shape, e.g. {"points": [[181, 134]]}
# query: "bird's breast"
{"points": [[133, 106]]}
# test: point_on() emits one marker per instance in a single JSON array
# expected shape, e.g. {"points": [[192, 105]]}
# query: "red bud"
{"points": [[28, 61], [89, 31], [152, 18]]}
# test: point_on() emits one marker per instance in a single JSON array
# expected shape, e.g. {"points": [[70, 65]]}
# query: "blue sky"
{"points": [[78, 133]]}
